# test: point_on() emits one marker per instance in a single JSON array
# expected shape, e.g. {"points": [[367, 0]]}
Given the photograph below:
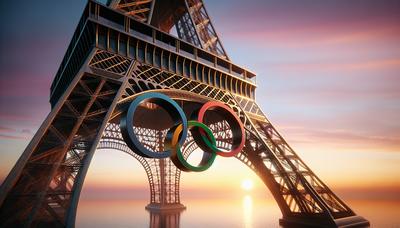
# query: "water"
{"points": [[247, 212]]}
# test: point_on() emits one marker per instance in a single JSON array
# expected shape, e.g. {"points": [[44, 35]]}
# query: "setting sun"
{"points": [[247, 184]]}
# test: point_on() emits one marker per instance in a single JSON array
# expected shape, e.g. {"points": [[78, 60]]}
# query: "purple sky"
{"points": [[328, 76]]}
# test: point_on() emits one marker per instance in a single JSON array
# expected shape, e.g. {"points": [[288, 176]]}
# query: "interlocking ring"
{"points": [[169, 105], [234, 122], [177, 156], [176, 136]]}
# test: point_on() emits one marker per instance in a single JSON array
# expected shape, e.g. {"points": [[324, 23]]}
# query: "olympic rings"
{"points": [[176, 136]]}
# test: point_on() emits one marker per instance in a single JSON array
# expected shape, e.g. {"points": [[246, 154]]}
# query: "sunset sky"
{"points": [[328, 75]]}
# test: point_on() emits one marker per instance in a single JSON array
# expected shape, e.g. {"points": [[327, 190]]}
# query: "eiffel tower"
{"points": [[123, 48]]}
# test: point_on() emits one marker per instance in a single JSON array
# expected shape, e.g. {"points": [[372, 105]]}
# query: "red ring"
{"points": [[234, 122]]}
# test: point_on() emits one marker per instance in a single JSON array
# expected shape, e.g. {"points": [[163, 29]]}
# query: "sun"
{"points": [[247, 184]]}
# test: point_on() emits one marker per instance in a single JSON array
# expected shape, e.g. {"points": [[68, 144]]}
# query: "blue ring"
{"points": [[174, 110]]}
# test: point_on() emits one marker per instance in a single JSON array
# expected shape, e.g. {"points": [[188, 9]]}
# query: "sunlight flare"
{"points": [[247, 184]]}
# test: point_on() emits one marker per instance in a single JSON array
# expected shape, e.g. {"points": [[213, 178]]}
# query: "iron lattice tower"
{"points": [[122, 49]]}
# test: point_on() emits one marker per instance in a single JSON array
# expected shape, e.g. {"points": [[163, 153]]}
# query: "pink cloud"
{"points": [[7, 137], [314, 37], [12, 133], [341, 31], [335, 66], [6, 129], [24, 84], [353, 132]]}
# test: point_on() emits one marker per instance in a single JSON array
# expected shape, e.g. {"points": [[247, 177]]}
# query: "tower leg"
{"points": [[80, 177], [43, 187], [305, 201]]}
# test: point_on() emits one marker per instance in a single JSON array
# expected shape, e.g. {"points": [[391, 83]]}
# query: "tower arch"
{"points": [[163, 190]]}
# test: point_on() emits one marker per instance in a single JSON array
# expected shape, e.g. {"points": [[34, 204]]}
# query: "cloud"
{"points": [[3, 136], [6, 129], [26, 131], [12, 133], [334, 134], [315, 37], [115, 192], [385, 192], [301, 67]]}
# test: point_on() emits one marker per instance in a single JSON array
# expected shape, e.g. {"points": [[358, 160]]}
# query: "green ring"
{"points": [[206, 161], [211, 145]]}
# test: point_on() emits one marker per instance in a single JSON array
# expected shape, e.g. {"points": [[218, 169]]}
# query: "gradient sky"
{"points": [[328, 78]]}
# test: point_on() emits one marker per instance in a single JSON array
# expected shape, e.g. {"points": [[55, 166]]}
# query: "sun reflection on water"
{"points": [[247, 211]]}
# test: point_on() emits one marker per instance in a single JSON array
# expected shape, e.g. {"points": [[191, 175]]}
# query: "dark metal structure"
{"points": [[123, 49]]}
